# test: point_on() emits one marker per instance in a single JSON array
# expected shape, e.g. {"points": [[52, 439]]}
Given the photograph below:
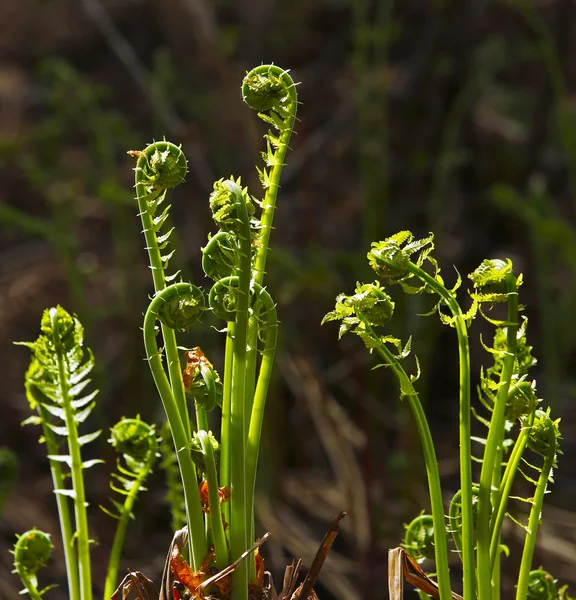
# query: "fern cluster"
{"points": [[57, 387], [513, 420]]}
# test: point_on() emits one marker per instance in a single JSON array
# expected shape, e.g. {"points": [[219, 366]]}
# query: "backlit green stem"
{"points": [[66, 527], [29, 585], [226, 407], [76, 468], [197, 537], [464, 427], [239, 525], [431, 462], [257, 417], [535, 515], [499, 511], [120, 535], [494, 443], [215, 514]]}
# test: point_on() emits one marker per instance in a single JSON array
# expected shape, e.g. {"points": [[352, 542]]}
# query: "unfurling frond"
{"points": [[58, 373]]}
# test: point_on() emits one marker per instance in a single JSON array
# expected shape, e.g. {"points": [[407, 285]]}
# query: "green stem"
{"points": [[464, 427], [494, 443], [215, 514], [226, 406], [76, 467], [257, 416], [535, 516], [251, 356], [197, 537], [504, 494], [29, 585], [238, 518], [66, 529], [431, 462], [120, 535]]}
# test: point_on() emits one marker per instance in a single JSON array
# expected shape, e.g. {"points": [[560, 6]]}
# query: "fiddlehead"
{"points": [[58, 374], [228, 201], [271, 91], [161, 166], [455, 517], [224, 298], [137, 444], [220, 255], [181, 308], [391, 258], [31, 552], [541, 586], [419, 538]]}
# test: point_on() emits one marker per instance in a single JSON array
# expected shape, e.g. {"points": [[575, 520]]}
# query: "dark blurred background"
{"points": [[456, 117]]}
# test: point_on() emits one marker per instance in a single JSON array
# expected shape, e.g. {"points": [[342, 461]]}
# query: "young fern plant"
{"points": [[55, 380], [218, 475], [56, 388], [515, 424], [137, 444]]}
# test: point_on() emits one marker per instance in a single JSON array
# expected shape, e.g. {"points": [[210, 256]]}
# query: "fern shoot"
{"points": [[234, 258], [137, 444], [514, 422], [59, 374]]}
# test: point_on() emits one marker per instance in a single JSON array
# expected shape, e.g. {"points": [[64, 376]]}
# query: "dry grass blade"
{"points": [[290, 579], [310, 579], [396, 574], [401, 566], [180, 539], [136, 581]]}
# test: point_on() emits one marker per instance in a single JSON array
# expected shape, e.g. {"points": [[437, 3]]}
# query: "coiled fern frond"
{"points": [[161, 166]]}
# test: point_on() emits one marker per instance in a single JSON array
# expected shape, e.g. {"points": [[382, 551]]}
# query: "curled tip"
{"points": [[521, 400], [162, 164], [419, 538], [490, 279], [542, 585], [267, 87], [32, 551], [182, 307], [544, 434], [134, 439]]}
